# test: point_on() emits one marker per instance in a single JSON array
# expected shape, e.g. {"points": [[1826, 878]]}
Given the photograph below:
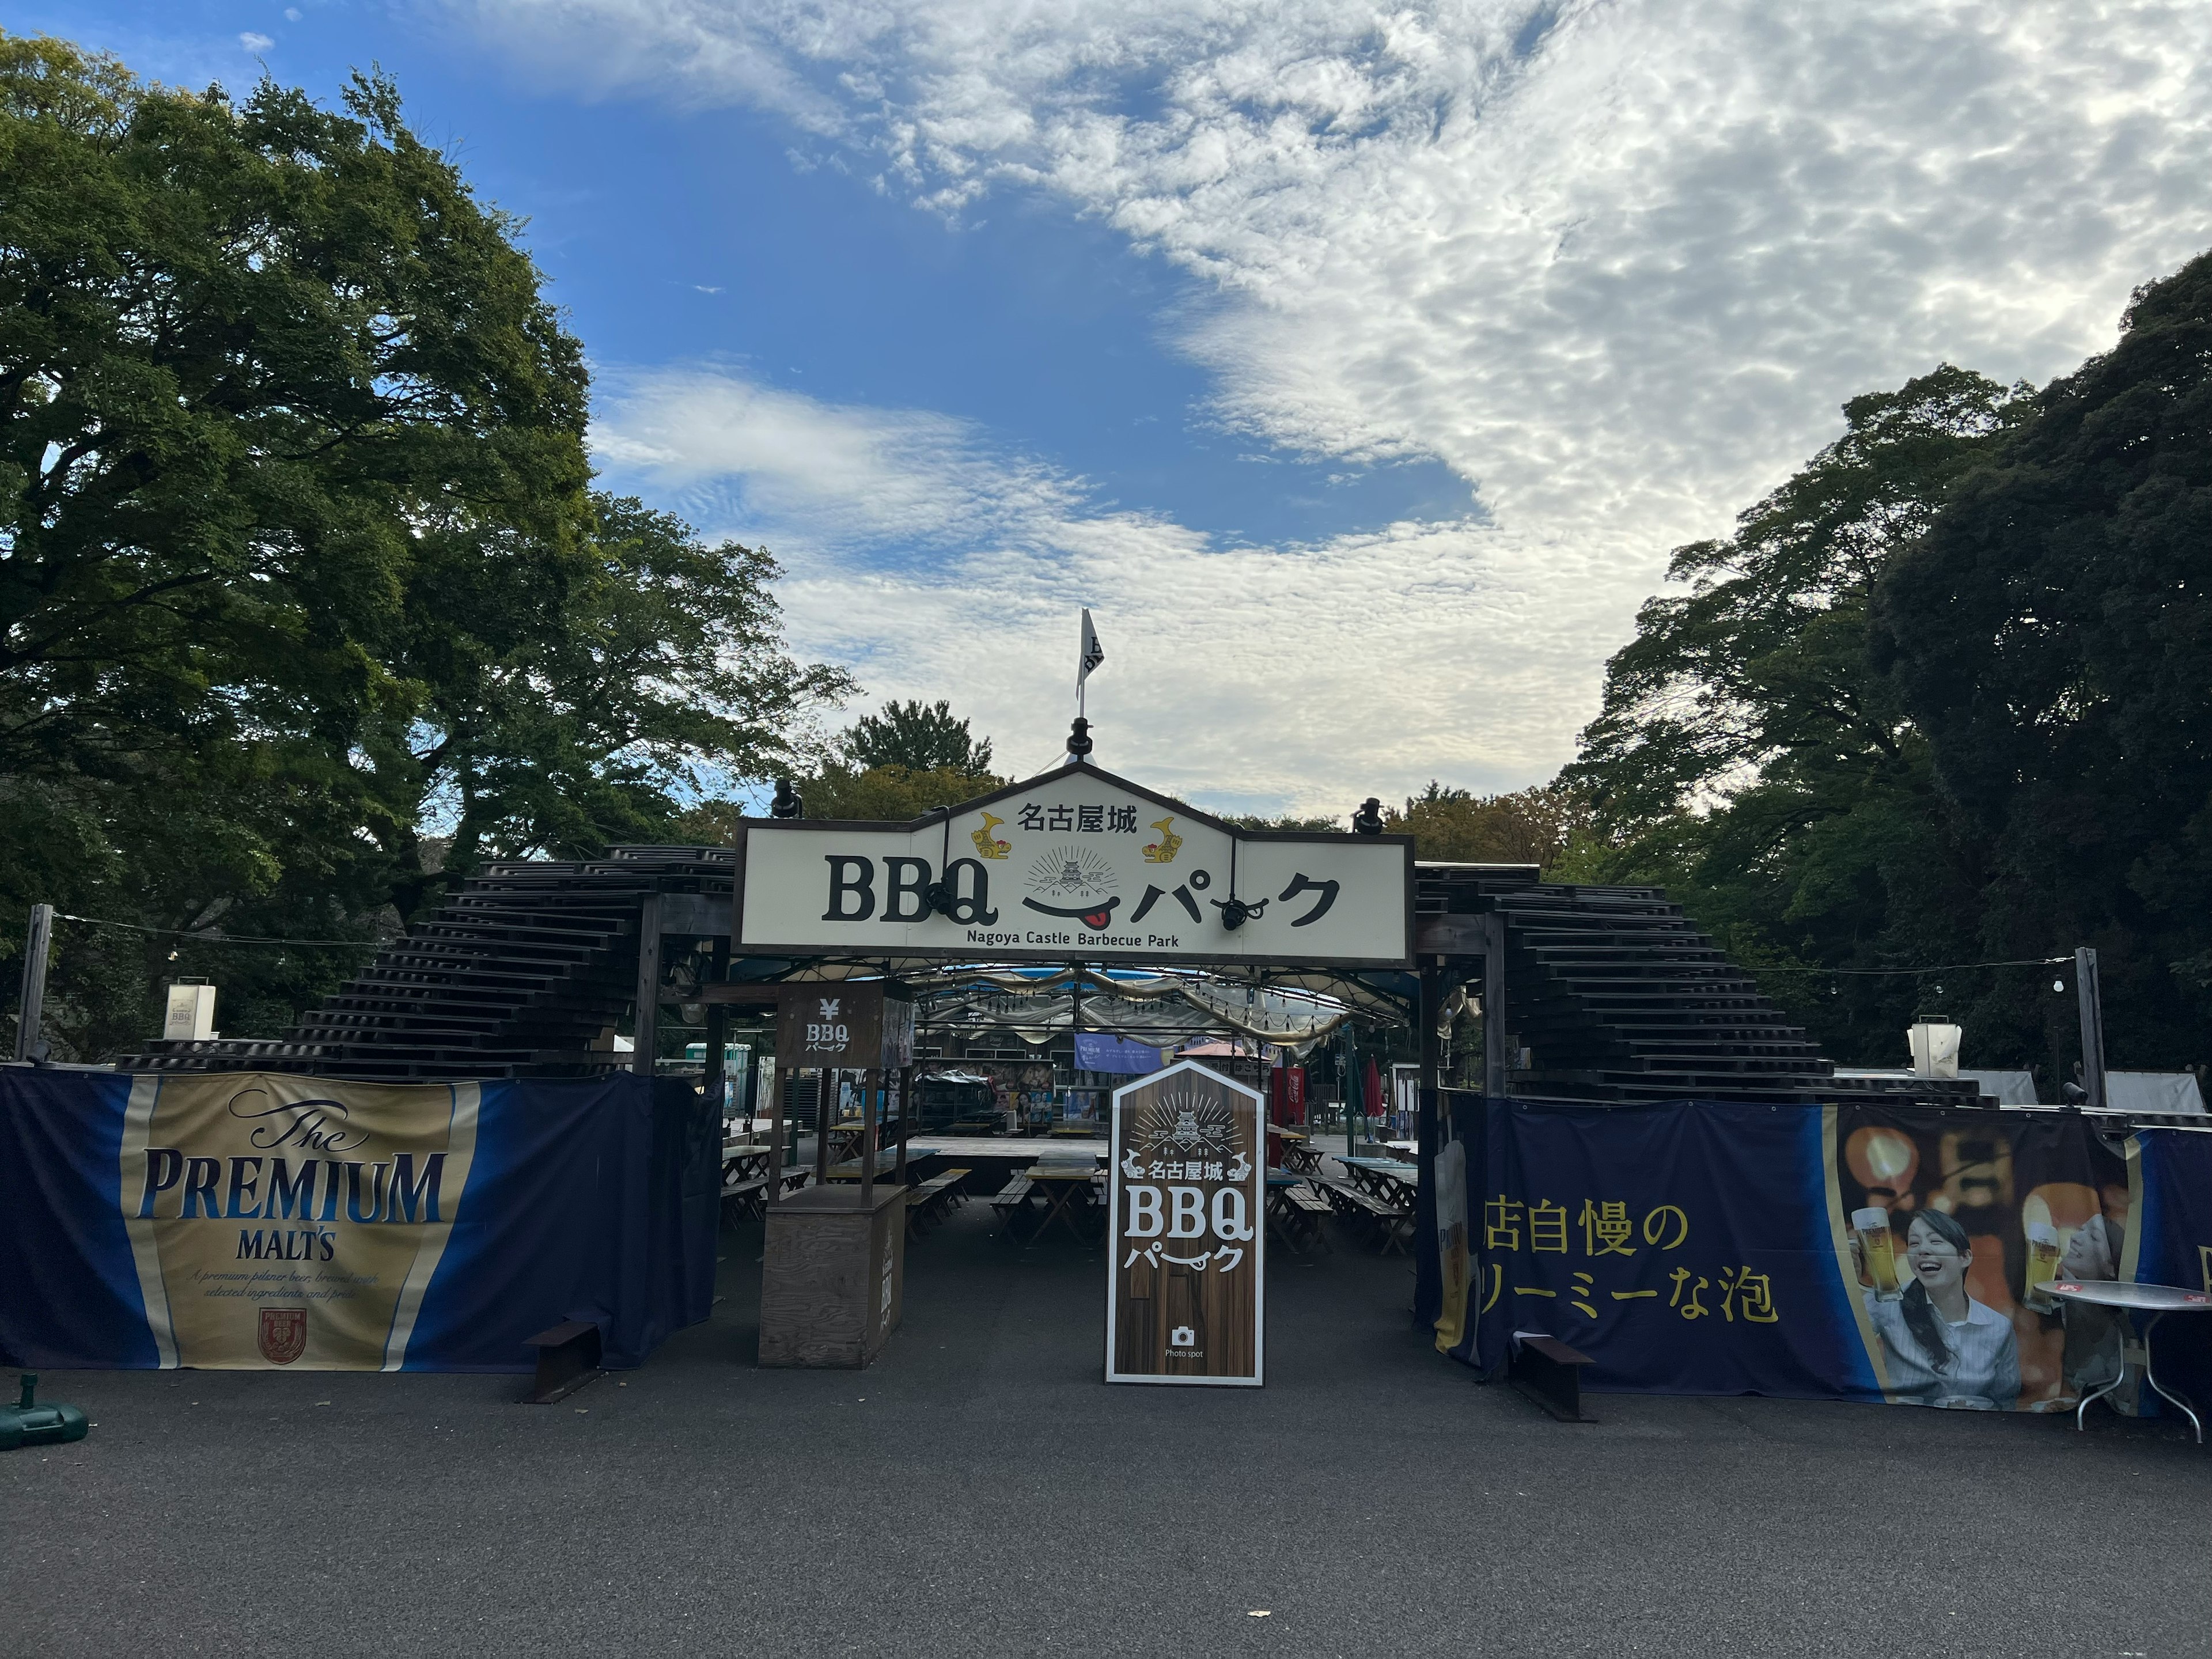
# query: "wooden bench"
{"points": [[995, 1124], [933, 1198], [1392, 1223], [1010, 1200], [567, 1358], [1295, 1217], [1549, 1372], [741, 1198], [1316, 1208]]}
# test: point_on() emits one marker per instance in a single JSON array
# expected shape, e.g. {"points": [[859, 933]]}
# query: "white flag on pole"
{"points": [[1092, 654]]}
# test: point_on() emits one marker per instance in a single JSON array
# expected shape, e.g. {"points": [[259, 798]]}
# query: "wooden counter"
{"points": [[833, 1277]]}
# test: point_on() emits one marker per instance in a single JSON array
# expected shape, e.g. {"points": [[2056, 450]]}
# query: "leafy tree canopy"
{"points": [[2052, 634], [1453, 826], [1750, 757], [890, 792], [1942, 699], [300, 566], [918, 737], [1284, 821]]}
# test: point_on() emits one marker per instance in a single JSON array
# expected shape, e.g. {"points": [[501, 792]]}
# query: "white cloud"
{"points": [[255, 43], [938, 564], [1615, 264]]}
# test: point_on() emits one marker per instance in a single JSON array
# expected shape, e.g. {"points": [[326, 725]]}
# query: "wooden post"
{"points": [[1432, 1003], [906, 1115], [1353, 1091], [826, 1097], [647, 1030], [2089, 995], [1075, 1032], [775, 1136], [1493, 1006], [37, 946], [868, 1136], [713, 1077]]}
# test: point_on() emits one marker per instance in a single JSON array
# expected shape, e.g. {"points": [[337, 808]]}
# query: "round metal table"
{"points": [[2156, 1300]]}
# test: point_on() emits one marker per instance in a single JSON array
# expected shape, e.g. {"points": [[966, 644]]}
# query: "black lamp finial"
{"points": [[1078, 738], [786, 804]]}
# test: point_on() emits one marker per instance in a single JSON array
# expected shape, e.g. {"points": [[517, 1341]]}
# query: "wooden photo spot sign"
{"points": [[1186, 1248]]}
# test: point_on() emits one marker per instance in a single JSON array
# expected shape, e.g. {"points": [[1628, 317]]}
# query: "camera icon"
{"points": [[1182, 1336]]}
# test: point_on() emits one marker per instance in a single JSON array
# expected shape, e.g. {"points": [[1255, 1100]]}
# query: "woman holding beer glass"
{"points": [[2094, 1353], [1945, 1348]]}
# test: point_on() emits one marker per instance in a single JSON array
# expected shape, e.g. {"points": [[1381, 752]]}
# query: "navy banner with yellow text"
{"points": [[240, 1220], [1868, 1252]]}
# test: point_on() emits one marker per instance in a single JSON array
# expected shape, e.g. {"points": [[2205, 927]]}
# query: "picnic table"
{"points": [[886, 1163], [1055, 1189], [1379, 1195], [744, 1160], [1295, 1212], [1299, 1156], [934, 1198], [745, 1181], [1388, 1179]]}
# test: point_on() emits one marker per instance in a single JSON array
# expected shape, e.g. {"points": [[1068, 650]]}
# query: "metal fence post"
{"points": [[2091, 997], [36, 948], [646, 1040]]}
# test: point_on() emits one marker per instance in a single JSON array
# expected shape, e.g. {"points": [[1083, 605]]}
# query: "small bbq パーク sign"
{"points": [[843, 1024]]}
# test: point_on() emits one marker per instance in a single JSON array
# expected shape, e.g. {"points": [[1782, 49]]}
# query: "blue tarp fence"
{"points": [[1723, 1248], [239, 1220]]}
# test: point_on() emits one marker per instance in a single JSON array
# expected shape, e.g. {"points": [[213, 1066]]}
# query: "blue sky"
{"points": [[1358, 367]]}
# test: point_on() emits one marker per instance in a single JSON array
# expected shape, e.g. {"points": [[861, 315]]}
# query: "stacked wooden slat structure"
{"points": [[526, 971], [1613, 995], [1612, 992]]}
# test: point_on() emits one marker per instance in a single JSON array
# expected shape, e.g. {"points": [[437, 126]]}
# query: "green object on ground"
{"points": [[27, 1423]]}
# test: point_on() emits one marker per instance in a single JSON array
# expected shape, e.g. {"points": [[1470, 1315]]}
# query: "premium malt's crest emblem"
{"points": [[283, 1334]]}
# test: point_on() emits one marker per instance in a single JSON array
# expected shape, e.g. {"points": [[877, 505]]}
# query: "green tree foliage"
{"points": [[891, 794], [2052, 635], [1284, 821], [1454, 826], [892, 767], [1749, 754], [918, 737], [1944, 698], [298, 555], [558, 722]]}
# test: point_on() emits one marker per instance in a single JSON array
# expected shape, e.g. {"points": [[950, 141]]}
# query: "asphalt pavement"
{"points": [[980, 1491]]}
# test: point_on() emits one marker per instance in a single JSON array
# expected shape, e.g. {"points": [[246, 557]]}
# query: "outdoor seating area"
{"points": [[1297, 1214], [1370, 1200], [1065, 1189], [932, 1201], [1375, 1201]]}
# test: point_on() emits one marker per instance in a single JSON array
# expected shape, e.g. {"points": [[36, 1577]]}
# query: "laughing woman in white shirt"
{"points": [[1945, 1348]]}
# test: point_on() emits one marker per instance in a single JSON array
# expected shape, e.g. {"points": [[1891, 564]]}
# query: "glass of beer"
{"points": [[2042, 1266], [1879, 1248]]}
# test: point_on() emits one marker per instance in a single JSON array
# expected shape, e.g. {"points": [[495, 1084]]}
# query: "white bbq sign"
{"points": [[1075, 864]]}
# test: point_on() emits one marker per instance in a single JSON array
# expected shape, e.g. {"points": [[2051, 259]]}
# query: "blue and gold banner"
{"points": [[232, 1221], [1843, 1252]]}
